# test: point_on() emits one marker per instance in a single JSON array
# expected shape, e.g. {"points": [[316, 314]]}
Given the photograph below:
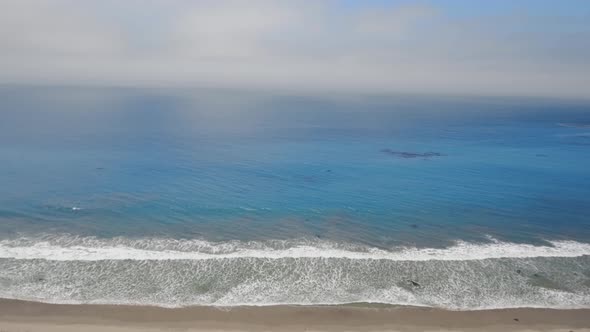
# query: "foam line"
{"points": [[459, 252]]}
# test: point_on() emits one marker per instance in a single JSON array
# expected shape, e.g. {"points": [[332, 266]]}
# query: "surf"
{"points": [[93, 249]]}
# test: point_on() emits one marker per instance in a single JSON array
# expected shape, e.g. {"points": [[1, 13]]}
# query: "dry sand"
{"points": [[22, 316]]}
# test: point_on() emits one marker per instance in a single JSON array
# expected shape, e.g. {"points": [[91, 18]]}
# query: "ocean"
{"points": [[182, 197]]}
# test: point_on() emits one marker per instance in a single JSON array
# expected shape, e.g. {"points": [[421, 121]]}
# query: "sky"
{"points": [[459, 47]]}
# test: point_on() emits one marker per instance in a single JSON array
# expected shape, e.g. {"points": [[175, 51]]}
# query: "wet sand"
{"points": [[21, 316]]}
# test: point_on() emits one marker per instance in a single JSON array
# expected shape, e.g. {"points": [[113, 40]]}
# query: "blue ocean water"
{"points": [[206, 197]]}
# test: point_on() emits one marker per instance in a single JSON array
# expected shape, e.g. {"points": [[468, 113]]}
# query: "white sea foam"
{"points": [[177, 273], [95, 250]]}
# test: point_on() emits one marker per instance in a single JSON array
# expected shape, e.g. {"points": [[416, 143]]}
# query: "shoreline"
{"points": [[17, 315]]}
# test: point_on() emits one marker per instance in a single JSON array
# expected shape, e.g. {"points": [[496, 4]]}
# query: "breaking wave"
{"points": [[92, 249], [175, 273]]}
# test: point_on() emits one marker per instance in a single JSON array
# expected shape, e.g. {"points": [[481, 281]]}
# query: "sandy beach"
{"points": [[20, 316]]}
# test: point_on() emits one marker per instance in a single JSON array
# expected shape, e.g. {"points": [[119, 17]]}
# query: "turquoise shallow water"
{"points": [[232, 198]]}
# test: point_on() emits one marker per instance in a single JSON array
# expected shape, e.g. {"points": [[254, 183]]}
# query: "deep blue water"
{"points": [[126, 166]]}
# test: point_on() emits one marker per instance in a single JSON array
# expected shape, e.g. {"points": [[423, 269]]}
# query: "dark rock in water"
{"points": [[518, 271], [409, 285], [409, 155], [536, 275], [414, 283], [516, 320], [328, 171]]}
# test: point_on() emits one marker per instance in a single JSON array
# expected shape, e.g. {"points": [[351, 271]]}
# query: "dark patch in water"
{"points": [[410, 155], [39, 278], [414, 283], [409, 285]]}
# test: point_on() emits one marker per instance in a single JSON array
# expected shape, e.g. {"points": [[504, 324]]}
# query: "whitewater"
{"points": [[156, 249], [179, 273]]}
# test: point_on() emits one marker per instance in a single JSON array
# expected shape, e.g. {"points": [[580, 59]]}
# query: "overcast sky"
{"points": [[524, 48]]}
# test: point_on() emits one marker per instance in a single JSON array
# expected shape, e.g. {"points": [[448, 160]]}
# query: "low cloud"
{"points": [[293, 45]]}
